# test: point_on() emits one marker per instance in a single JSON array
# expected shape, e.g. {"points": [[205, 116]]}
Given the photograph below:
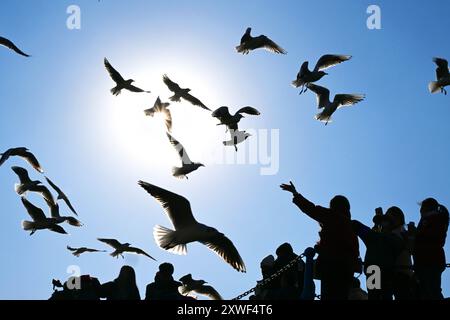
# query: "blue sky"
{"points": [[391, 149]]}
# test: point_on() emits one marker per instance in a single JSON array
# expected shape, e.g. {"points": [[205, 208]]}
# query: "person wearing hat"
{"points": [[428, 252]]}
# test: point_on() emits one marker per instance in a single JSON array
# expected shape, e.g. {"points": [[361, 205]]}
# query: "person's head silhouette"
{"points": [[429, 205], [284, 250], [127, 275], [341, 205], [396, 217], [166, 268]]}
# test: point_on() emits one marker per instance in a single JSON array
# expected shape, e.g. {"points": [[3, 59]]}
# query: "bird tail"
{"points": [[241, 49], [175, 98], [176, 173], [165, 238], [73, 222], [434, 86], [115, 91], [28, 225], [323, 118], [297, 83]]}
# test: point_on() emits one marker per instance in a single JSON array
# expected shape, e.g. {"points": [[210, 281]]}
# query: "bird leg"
{"points": [[235, 148], [32, 232]]}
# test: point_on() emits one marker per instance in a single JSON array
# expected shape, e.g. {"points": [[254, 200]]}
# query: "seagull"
{"points": [[198, 287], [23, 153], [442, 76], [26, 184], [305, 76], [120, 248], [58, 219], [182, 93], [40, 221], [231, 121], [188, 230], [249, 43], [340, 100], [160, 107], [10, 45], [187, 166], [78, 251], [121, 83], [236, 138], [61, 195]]}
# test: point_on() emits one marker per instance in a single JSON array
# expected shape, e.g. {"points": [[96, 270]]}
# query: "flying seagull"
{"points": [[442, 76], [121, 83], [188, 230], [58, 219], [26, 184], [23, 153], [61, 195], [198, 287], [40, 221], [160, 107], [340, 100], [79, 251], [182, 93], [10, 45], [236, 138], [187, 166], [305, 76], [231, 121], [249, 43], [121, 248]]}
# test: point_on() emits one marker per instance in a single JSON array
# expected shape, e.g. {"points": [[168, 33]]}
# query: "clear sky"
{"points": [[391, 149]]}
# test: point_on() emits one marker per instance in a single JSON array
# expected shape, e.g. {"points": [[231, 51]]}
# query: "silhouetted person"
{"points": [[337, 248], [356, 293], [291, 280], [267, 291], [383, 250], [164, 287], [428, 252], [89, 289], [123, 287]]}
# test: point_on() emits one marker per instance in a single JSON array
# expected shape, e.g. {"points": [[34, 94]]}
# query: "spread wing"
{"points": [[180, 149], [195, 101], [329, 60], [177, 207], [32, 160], [139, 251], [10, 45], [61, 195], [113, 72], [22, 174], [135, 89], [249, 110], [35, 213], [174, 87], [209, 291], [223, 246], [111, 242], [348, 99], [442, 69], [265, 42], [322, 94]]}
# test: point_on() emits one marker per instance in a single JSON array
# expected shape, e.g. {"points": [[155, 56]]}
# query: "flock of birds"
{"points": [[178, 209]]}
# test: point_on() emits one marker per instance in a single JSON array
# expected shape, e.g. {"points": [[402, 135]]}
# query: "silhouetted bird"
{"points": [[182, 93], [120, 248], [79, 251], [340, 100], [198, 287], [188, 230], [61, 195], [160, 107], [187, 166], [442, 76], [231, 121], [121, 83], [54, 212], [236, 138], [249, 43], [40, 221], [10, 45], [23, 153], [305, 76], [26, 184]]}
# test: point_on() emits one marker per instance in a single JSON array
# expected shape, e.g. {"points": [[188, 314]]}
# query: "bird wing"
{"points": [[180, 149], [442, 69], [221, 113], [111, 242], [139, 251], [113, 72], [322, 94], [43, 190], [5, 156], [135, 89], [22, 174], [177, 207], [329, 60], [72, 249], [32, 160], [9, 44], [348, 99], [208, 291], [184, 290], [35, 213], [196, 102], [168, 119], [270, 45], [304, 68], [223, 246], [249, 110], [174, 87], [61, 195]]}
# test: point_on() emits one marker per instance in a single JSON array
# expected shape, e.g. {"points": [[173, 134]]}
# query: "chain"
{"points": [[271, 278]]}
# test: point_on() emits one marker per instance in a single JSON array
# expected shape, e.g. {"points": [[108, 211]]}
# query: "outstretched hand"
{"points": [[289, 187]]}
